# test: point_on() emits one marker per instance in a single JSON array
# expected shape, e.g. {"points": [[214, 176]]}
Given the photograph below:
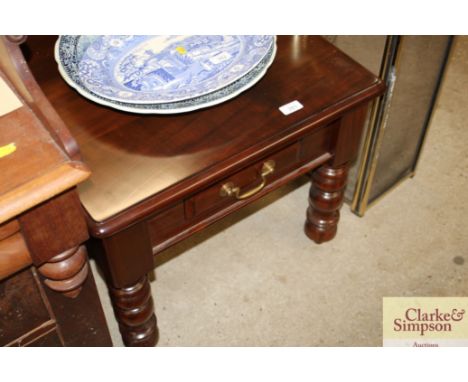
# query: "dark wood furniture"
{"points": [[31, 314], [158, 179], [42, 225]]}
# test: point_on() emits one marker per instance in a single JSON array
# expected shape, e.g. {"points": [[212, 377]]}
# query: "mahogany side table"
{"points": [[158, 179]]}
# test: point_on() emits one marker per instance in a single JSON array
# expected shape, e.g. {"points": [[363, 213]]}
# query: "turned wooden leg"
{"points": [[126, 258], [54, 233], [66, 272], [133, 307], [325, 199]]}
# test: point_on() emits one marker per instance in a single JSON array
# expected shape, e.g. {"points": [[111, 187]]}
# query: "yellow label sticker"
{"points": [[181, 50], [7, 150]]}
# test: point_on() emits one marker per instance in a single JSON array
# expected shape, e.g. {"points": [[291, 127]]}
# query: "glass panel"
{"points": [[419, 62]]}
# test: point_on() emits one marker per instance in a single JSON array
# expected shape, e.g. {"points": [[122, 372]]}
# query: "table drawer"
{"points": [[182, 217], [245, 183]]}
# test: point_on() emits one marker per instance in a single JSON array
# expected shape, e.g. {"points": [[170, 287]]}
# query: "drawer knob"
{"points": [[229, 189]]}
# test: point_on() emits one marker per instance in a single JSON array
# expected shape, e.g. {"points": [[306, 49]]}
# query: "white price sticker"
{"points": [[291, 107]]}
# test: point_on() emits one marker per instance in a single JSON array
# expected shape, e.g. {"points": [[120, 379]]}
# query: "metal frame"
{"points": [[374, 132], [377, 123]]}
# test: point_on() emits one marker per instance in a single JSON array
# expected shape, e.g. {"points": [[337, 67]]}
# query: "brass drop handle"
{"points": [[229, 189]]}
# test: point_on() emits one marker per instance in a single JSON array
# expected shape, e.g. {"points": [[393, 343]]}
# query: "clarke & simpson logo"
{"points": [[425, 321], [418, 321]]}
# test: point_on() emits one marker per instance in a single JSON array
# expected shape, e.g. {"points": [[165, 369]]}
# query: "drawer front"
{"points": [[183, 216], [246, 180]]}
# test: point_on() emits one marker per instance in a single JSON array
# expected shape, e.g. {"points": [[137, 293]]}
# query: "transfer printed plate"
{"points": [[159, 69], [68, 53]]}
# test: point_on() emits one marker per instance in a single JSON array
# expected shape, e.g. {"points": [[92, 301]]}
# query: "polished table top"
{"points": [[135, 157]]}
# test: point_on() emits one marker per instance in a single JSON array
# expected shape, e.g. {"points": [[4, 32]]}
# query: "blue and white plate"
{"points": [[158, 69], [207, 100]]}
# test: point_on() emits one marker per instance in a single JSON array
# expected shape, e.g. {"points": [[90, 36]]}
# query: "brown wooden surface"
{"points": [[20, 315], [54, 232], [141, 163], [37, 170], [49, 339], [156, 179], [134, 311], [54, 227], [81, 320], [66, 272], [14, 66], [325, 200], [41, 221], [14, 255], [128, 255], [349, 136], [31, 315], [163, 240], [9, 228], [207, 206]]}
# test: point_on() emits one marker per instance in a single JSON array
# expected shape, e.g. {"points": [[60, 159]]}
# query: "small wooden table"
{"points": [[158, 179], [42, 227]]}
